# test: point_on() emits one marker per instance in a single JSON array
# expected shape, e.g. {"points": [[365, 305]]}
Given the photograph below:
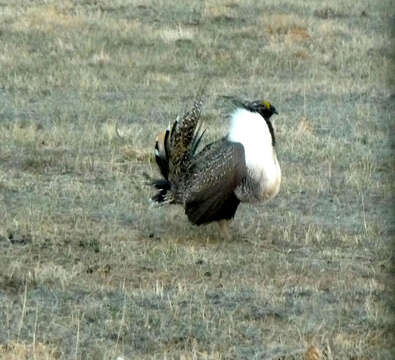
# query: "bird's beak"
{"points": [[275, 112]]}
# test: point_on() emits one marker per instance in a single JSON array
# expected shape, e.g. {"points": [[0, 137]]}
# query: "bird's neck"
{"points": [[252, 131]]}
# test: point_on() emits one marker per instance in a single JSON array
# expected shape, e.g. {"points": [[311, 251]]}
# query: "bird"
{"points": [[240, 167]]}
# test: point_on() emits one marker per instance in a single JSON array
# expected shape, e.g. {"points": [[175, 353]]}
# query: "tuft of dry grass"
{"points": [[20, 351], [284, 24], [48, 19], [304, 127], [132, 153], [313, 353]]}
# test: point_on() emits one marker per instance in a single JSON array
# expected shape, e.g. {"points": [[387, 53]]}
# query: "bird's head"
{"points": [[263, 107]]}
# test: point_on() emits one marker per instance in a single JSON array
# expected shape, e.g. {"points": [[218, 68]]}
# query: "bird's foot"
{"points": [[225, 230]]}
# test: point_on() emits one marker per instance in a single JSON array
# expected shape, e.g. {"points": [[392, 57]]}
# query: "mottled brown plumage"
{"points": [[214, 174], [179, 147]]}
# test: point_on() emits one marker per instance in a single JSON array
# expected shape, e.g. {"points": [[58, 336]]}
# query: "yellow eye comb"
{"points": [[266, 104]]}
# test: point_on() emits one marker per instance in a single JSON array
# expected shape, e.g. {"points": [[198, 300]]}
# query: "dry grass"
{"points": [[89, 270], [18, 351]]}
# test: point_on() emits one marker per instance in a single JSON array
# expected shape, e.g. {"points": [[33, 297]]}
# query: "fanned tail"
{"points": [[181, 140], [174, 149]]}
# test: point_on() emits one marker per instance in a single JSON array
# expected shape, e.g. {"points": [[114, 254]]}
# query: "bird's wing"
{"points": [[214, 175]]}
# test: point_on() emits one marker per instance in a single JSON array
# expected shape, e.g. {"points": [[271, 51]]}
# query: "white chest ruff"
{"points": [[268, 180], [251, 130]]}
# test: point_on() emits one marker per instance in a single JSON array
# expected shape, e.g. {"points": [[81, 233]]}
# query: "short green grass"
{"points": [[89, 270]]}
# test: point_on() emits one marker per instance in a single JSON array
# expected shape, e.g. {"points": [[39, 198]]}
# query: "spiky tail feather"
{"points": [[163, 186], [181, 137], [174, 149], [161, 153]]}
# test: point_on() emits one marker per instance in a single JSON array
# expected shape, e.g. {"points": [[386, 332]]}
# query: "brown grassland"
{"points": [[90, 270]]}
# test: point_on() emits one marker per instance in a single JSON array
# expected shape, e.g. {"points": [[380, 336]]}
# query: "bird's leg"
{"points": [[224, 227]]}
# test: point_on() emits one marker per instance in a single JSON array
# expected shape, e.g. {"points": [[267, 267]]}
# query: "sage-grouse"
{"points": [[211, 183]]}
